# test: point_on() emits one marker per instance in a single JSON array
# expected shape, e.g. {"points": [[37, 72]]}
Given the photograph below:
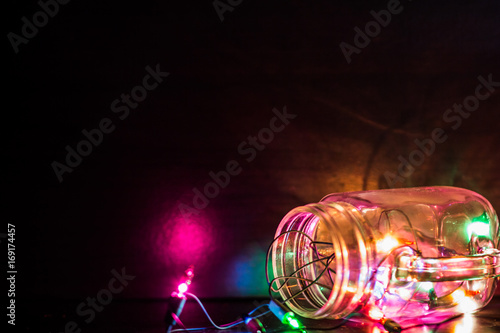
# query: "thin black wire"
{"points": [[324, 243], [274, 241], [312, 282], [224, 326], [407, 220], [296, 277], [283, 234], [319, 256]]}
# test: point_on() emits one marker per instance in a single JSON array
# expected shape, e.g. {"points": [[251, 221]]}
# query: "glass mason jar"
{"points": [[414, 255]]}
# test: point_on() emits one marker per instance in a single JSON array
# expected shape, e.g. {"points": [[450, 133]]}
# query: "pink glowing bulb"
{"points": [[182, 288]]}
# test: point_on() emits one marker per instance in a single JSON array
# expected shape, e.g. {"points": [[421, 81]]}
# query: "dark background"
{"points": [[119, 207]]}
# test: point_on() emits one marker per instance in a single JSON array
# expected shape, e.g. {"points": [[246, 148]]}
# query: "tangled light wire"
{"points": [[219, 327]]}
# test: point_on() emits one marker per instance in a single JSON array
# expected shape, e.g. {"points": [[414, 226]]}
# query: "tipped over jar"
{"points": [[415, 255]]}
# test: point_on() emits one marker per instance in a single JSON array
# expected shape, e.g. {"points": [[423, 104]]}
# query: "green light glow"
{"points": [[478, 228], [482, 218], [289, 319], [294, 323], [480, 225]]}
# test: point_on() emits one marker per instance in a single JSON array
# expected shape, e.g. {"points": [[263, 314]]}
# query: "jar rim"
{"points": [[346, 228]]}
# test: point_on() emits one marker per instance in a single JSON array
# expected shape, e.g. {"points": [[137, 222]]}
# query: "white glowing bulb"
{"points": [[467, 305], [351, 289], [478, 228], [464, 304], [477, 285], [375, 313], [183, 287], [426, 286], [405, 294], [387, 243], [458, 295]]}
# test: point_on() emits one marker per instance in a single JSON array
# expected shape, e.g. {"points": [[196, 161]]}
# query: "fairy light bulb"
{"points": [[284, 315], [375, 313], [398, 256], [458, 295], [291, 321], [387, 243], [182, 288], [478, 228], [466, 304], [178, 299]]}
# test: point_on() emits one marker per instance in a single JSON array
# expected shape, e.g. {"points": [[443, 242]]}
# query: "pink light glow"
{"points": [[184, 241], [182, 288]]}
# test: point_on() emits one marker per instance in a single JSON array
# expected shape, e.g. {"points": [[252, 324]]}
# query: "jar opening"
{"points": [[323, 257]]}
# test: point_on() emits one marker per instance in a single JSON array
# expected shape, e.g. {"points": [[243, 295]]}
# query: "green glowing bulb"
{"points": [[478, 228], [480, 225], [482, 218], [289, 319], [294, 323]]}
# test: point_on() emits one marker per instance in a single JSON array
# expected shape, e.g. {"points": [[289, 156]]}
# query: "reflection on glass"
{"points": [[465, 324]]}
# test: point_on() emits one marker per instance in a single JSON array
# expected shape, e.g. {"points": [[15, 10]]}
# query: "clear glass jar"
{"points": [[415, 255]]}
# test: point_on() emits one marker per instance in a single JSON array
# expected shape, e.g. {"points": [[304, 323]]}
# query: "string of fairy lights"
{"points": [[251, 321], [278, 305]]}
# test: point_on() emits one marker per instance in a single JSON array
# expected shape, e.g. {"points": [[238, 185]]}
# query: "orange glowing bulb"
{"points": [[387, 244]]}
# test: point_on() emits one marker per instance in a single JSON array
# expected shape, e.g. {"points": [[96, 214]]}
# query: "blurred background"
{"points": [[129, 203]]}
